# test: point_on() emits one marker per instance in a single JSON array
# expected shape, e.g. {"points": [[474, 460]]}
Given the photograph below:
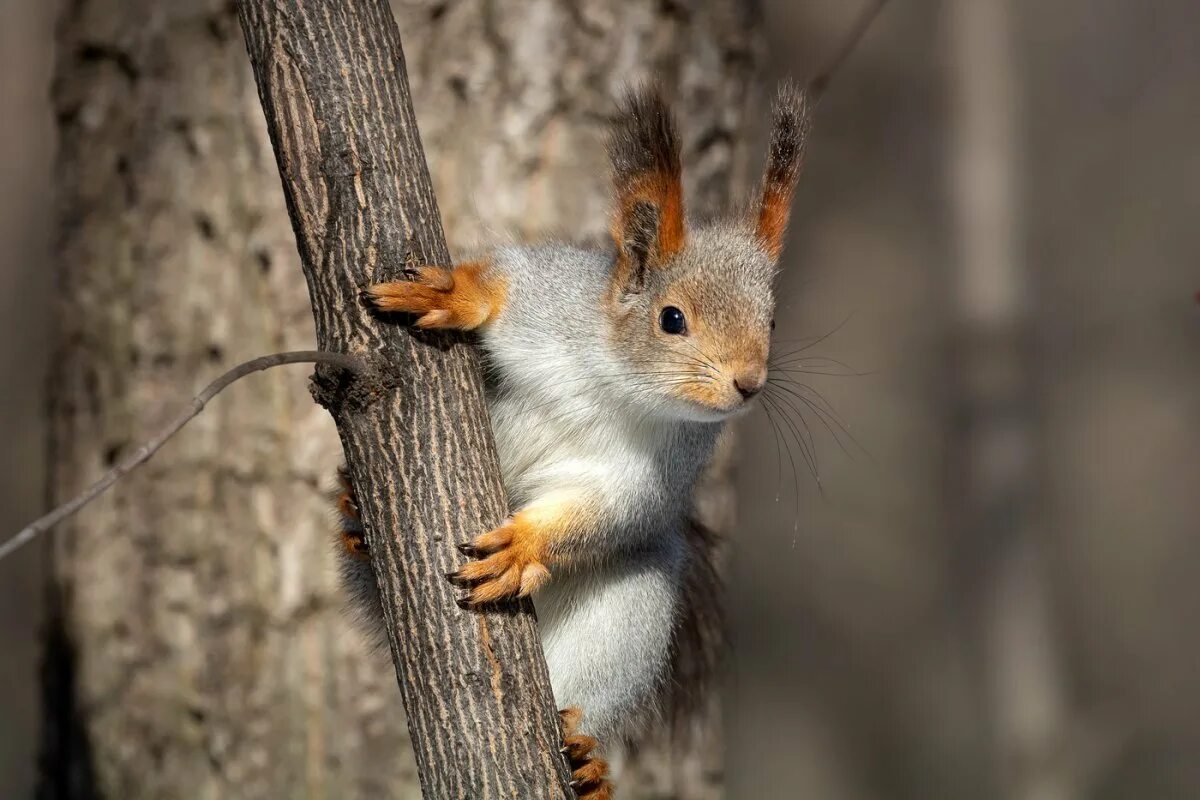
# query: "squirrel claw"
{"points": [[505, 565], [589, 773]]}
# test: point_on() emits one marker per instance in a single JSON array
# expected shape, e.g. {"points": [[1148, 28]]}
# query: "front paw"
{"points": [[465, 297], [429, 296], [509, 566]]}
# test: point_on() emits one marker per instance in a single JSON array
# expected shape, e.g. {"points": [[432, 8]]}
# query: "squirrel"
{"points": [[611, 375]]}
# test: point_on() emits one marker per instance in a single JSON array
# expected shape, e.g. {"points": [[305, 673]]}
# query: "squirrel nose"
{"points": [[749, 384]]}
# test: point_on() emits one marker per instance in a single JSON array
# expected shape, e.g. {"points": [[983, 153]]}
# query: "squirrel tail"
{"points": [[699, 640], [354, 560]]}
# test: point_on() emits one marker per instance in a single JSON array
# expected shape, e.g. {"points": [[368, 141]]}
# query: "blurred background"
{"points": [[964, 557]]}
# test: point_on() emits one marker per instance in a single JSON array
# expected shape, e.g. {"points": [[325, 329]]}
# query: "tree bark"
{"points": [[198, 646], [257, 685], [332, 81]]}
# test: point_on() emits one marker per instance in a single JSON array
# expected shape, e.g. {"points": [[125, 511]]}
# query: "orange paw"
{"points": [[462, 297], [589, 773], [355, 544], [345, 499], [350, 529], [509, 566]]}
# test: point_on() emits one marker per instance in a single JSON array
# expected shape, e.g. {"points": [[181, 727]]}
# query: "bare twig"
{"points": [[820, 82], [143, 453]]}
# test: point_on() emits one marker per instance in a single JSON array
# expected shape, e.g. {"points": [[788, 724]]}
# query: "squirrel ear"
{"points": [[785, 158], [648, 226]]}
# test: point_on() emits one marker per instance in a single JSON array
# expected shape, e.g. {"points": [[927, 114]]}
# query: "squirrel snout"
{"points": [[750, 382]]}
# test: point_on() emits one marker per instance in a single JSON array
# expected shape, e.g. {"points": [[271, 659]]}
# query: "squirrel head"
{"points": [[692, 309]]}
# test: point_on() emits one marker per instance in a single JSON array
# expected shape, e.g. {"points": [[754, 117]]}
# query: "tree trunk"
{"points": [[998, 497], [414, 427], [212, 657], [201, 650]]}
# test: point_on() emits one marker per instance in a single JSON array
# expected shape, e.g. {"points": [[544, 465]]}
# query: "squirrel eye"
{"points": [[772, 324], [671, 320]]}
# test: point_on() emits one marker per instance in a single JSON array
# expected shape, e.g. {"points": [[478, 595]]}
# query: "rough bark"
{"points": [[332, 81], [200, 648], [286, 700]]}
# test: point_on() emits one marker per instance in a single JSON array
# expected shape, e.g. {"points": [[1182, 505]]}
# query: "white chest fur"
{"points": [[580, 444]]}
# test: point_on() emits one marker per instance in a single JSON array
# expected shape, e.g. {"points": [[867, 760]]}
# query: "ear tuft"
{"points": [[648, 227], [785, 159]]}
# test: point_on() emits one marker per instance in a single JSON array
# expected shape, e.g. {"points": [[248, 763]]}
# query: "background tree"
{"points": [[198, 645]]}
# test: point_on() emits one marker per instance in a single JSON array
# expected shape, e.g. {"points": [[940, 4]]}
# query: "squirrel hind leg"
{"points": [[350, 528], [589, 772]]}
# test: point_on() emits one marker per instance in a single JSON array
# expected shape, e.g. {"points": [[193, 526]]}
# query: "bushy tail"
{"points": [[699, 643], [354, 562]]}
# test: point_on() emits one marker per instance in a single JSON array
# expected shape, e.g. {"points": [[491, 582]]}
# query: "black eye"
{"points": [[671, 320], [772, 324]]}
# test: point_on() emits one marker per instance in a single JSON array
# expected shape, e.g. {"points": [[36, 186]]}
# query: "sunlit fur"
{"points": [[593, 405]]}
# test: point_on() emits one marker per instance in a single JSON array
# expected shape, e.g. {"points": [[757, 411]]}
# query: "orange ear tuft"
{"points": [[785, 159], [644, 148]]}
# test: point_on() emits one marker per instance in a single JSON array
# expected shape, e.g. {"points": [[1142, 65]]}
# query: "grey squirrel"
{"points": [[612, 375]]}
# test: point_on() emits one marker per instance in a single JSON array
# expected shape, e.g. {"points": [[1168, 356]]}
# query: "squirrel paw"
{"points": [[588, 772], [351, 530], [509, 567], [440, 298]]}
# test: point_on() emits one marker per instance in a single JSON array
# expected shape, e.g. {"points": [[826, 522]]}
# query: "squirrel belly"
{"points": [[563, 428]]}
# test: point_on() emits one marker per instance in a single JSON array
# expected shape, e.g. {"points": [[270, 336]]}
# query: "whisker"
{"points": [[805, 450], [822, 338], [823, 373], [820, 418], [772, 403], [815, 361], [778, 455], [703, 357], [824, 411]]}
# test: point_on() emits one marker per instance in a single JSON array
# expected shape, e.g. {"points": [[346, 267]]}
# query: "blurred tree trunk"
{"points": [[198, 646], [1001, 472], [196, 602]]}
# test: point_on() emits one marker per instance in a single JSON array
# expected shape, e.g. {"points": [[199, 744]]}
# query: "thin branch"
{"points": [[143, 453], [820, 82]]}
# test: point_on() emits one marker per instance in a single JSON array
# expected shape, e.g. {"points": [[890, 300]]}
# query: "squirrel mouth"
{"points": [[713, 412]]}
